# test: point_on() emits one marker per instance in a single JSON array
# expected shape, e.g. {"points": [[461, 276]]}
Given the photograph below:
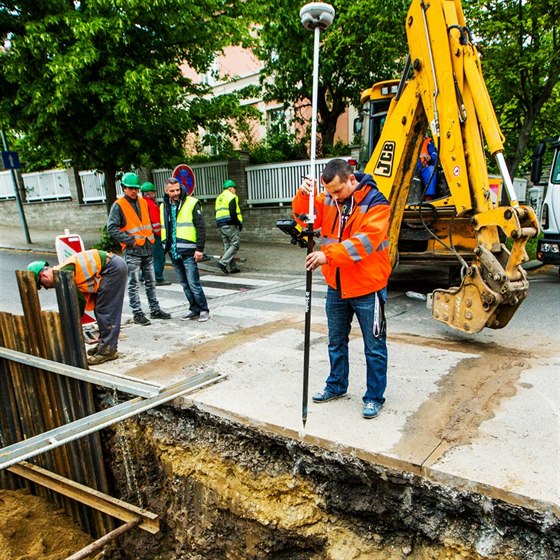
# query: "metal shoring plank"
{"points": [[122, 383], [100, 501], [46, 441]]}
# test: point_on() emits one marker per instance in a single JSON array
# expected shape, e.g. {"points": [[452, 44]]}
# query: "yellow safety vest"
{"points": [[185, 234], [223, 216]]}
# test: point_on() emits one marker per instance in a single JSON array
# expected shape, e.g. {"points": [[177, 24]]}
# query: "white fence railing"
{"points": [[6, 185], [46, 185], [208, 179], [276, 183], [93, 186]]}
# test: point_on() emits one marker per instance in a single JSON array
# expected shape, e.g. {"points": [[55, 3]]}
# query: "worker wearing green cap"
{"points": [[100, 279], [230, 223]]}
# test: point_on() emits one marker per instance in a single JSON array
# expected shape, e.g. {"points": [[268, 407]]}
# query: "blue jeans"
{"points": [[187, 271], [340, 313], [141, 265]]}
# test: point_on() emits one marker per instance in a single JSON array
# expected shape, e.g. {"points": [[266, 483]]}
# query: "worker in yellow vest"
{"points": [[129, 223], [230, 223], [183, 235], [100, 280]]}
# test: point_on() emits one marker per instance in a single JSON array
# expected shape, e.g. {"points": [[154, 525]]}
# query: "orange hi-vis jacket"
{"points": [[139, 228], [353, 237], [153, 209], [87, 275], [424, 152]]}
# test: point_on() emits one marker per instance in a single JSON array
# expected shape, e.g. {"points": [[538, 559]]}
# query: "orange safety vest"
{"points": [[139, 228], [357, 252], [87, 275]]}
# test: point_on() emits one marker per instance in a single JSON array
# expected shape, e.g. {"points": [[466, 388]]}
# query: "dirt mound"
{"points": [[33, 529]]}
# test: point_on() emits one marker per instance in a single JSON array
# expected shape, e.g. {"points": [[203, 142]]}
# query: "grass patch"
{"points": [[531, 246]]}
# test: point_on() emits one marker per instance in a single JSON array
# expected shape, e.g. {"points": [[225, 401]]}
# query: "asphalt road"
{"points": [[536, 322]]}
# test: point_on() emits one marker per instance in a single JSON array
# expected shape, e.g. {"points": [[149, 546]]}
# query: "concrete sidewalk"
{"points": [[472, 413]]}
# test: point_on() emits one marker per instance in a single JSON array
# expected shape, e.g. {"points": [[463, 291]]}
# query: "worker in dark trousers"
{"points": [[100, 280]]}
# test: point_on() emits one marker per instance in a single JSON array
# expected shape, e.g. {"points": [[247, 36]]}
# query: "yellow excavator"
{"points": [[442, 91]]}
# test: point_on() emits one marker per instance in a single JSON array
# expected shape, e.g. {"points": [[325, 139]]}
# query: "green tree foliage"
{"points": [[519, 41], [366, 44], [99, 81]]}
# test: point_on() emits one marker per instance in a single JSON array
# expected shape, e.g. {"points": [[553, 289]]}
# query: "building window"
{"points": [[276, 121]]}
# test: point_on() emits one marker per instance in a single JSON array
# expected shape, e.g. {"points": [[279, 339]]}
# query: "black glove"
{"points": [[240, 226]]}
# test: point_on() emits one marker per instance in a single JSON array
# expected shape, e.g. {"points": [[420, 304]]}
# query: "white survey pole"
{"points": [[315, 17]]}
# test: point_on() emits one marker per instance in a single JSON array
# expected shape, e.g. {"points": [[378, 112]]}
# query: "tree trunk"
{"points": [[329, 118], [109, 170]]}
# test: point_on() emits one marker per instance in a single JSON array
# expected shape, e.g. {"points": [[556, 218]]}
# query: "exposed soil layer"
{"points": [[223, 490], [33, 529]]}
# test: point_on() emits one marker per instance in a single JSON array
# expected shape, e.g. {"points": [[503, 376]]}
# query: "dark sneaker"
{"points": [[325, 396], [141, 319], [223, 268], [191, 315], [204, 316], [371, 409], [159, 314], [235, 270], [93, 351], [163, 283], [102, 358]]}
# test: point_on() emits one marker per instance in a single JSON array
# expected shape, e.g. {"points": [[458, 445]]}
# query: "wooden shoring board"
{"points": [[88, 496]]}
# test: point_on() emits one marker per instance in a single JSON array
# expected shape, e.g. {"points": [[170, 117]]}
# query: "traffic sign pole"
{"points": [[16, 192]]}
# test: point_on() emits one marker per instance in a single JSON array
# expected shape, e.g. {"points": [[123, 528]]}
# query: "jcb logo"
{"points": [[384, 166]]}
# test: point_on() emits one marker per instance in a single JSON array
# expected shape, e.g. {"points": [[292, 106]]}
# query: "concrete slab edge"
{"points": [[427, 473]]}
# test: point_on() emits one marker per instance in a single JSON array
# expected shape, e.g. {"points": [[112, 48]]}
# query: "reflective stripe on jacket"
{"points": [[185, 234], [139, 228], [223, 213], [87, 273], [355, 242], [153, 209]]}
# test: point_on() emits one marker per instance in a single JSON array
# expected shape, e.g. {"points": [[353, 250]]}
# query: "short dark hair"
{"points": [[337, 168]]}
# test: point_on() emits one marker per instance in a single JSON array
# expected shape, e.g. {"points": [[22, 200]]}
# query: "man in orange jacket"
{"points": [[354, 219], [100, 280]]}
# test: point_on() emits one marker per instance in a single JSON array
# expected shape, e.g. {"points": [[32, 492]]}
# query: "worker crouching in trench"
{"points": [[100, 279]]}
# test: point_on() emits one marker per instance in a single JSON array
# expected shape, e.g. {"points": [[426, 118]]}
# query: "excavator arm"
{"points": [[447, 93]]}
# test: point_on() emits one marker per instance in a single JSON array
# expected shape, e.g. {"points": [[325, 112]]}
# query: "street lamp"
{"points": [[316, 17]]}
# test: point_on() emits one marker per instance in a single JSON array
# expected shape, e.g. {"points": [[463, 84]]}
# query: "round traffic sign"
{"points": [[184, 174]]}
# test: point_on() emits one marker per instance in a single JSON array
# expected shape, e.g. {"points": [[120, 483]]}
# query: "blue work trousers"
{"points": [[189, 277], [369, 311]]}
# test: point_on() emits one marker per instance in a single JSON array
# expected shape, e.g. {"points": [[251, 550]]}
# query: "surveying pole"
{"points": [[315, 17]]}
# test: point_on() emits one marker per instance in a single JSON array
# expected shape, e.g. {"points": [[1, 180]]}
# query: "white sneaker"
{"points": [[204, 316]]}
